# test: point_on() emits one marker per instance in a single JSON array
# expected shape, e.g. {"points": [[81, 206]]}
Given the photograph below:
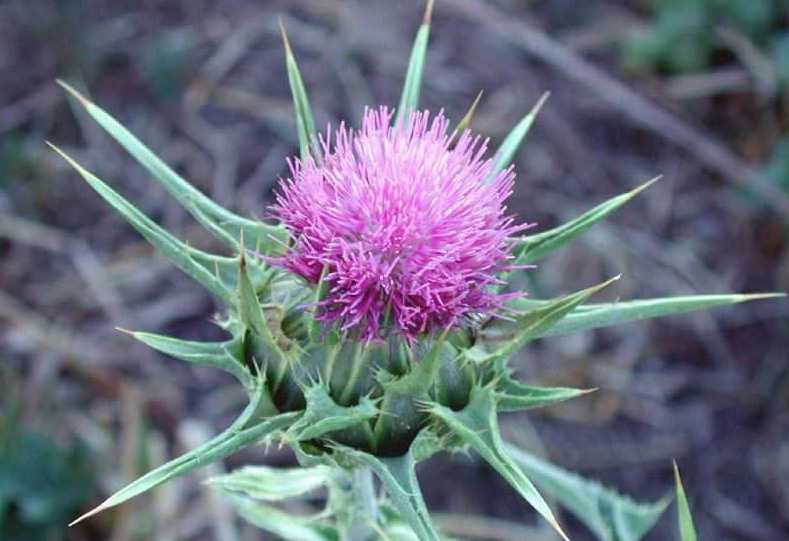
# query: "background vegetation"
{"points": [[694, 90]]}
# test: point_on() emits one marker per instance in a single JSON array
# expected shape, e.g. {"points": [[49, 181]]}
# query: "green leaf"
{"points": [[534, 247], [323, 415], [305, 124], [512, 395], [204, 268], [465, 122], [249, 309], [594, 316], [409, 99], [477, 426], [528, 326], [423, 373], [687, 532], [251, 313], [400, 413], [224, 355], [280, 523], [313, 325], [398, 477], [226, 225], [400, 532], [610, 515], [509, 147], [243, 432], [273, 484], [427, 443]]}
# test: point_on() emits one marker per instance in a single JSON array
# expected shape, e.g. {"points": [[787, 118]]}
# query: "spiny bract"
{"points": [[394, 223]]}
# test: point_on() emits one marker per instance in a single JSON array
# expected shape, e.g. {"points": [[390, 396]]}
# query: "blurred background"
{"points": [[695, 90]]}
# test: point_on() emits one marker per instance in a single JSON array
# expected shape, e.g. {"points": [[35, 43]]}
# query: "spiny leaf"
{"points": [[477, 426], [400, 413], [224, 355], [409, 99], [240, 434], [509, 147], [203, 267], [594, 316], [398, 478], [422, 374], [282, 524], [226, 225], [687, 532], [402, 486], [534, 247], [610, 515], [427, 443], [465, 122], [305, 124], [400, 532], [530, 325], [512, 395], [250, 311], [272, 484], [323, 415]]}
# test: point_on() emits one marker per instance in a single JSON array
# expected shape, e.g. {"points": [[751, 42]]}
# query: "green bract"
{"points": [[347, 407]]}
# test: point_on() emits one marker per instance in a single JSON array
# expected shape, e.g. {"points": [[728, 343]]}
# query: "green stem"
{"points": [[365, 505]]}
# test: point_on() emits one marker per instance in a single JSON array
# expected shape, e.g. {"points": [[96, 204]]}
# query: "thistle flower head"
{"points": [[411, 228]]}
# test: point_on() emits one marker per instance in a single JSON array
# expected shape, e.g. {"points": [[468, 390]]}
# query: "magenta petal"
{"points": [[404, 221]]}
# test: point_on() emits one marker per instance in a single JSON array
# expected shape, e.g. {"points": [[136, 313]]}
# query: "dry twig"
{"points": [[640, 110]]}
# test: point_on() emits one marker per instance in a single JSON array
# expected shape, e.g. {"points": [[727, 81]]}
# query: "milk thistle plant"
{"points": [[370, 320]]}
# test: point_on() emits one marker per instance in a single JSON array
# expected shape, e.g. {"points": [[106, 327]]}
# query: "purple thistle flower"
{"points": [[408, 227]]}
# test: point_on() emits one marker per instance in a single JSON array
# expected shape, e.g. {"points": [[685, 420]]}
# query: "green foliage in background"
{"points": [[165, 63], [681, 36], [16, 161], [777, 166], [685, 37], [42, 485]]}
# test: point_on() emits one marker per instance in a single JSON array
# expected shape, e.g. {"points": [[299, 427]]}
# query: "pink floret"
{"points": [[409, 226]]}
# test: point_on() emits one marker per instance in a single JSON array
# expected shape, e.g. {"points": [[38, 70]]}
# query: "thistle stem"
{"points": [[365, 503]]}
